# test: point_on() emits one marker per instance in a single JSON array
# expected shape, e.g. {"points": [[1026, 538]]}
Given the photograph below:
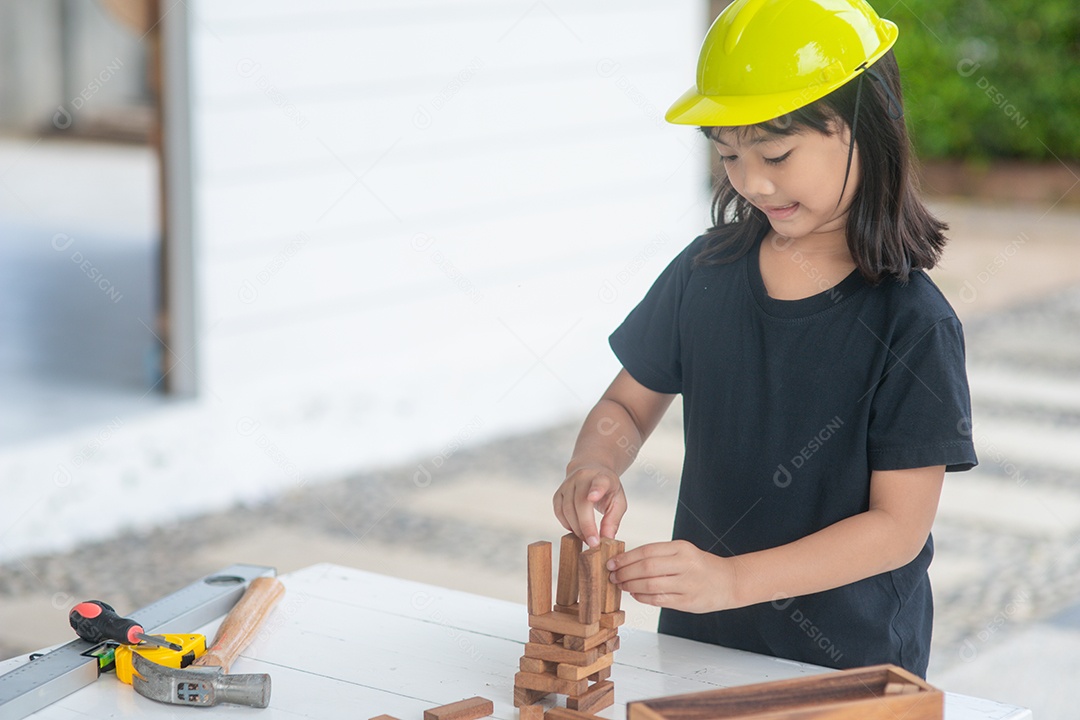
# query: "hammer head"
{"points": [[203, 686]]}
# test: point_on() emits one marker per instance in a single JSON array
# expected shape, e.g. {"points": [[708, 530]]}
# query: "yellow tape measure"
{"points": [[192, 646]]}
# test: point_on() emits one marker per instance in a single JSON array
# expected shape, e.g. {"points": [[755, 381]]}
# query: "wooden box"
{"points": [[880, 692]]}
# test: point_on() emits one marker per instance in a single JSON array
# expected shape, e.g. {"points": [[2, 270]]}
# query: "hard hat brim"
{"points": [[693, 108]]}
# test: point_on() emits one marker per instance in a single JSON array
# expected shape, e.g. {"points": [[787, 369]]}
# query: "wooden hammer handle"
{"points": [[243, 621]]}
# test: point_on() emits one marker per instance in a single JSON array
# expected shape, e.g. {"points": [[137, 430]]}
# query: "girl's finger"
{"points": [[656, 599], [609, 524], [570, 512], [580, 511], [586, 510], [598, 488], [557, 506], [650, 586], [636, 555]]}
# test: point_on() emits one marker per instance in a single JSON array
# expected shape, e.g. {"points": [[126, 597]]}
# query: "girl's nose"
{"points": [[756, 183]]}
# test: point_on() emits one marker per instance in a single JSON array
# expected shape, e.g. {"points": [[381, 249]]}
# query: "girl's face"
{"points": [[794, 179]]}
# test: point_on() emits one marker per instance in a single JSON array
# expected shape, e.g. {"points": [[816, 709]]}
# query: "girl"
{"points": [[822, 372]]}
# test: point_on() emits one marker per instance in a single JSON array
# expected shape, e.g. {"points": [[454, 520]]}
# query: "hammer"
{"points": [[205, 681]]}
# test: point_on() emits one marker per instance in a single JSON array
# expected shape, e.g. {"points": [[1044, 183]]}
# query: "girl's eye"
{"points": [[778, 160], [728, 158]]}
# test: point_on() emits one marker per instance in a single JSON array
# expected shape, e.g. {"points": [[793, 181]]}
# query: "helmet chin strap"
{"points": [[894, 109]]}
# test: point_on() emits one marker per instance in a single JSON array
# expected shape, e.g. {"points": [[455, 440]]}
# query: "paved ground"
{"points": [[1007, 574]]}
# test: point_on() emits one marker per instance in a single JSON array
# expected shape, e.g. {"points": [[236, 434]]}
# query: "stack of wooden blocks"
{"points": [[571, 645]]}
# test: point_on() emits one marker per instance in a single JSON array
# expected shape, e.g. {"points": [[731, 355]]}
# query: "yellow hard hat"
{"points": [[764, 58]]}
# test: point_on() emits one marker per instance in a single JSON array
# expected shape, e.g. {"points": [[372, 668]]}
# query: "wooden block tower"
{"points": [[571, 645]]}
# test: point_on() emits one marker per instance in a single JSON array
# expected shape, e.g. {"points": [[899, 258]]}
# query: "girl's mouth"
{"points": [[782, 211]]}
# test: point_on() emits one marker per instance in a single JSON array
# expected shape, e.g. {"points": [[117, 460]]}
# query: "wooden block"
{"points": [[568, 609], [598, 697], [895, 688], [566, 587], [590, 585], [558, 654], [540, 578], [581, 672], [531, 712], [601, 675], [572, 642], [544, 637], [468, 709], [524, 697], [536, 665], [611, 645], [549, 684], [611, 597], [568, 714], [564, 624], [611, 620]]}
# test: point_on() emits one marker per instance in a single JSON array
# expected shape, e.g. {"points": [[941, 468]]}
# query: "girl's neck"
{"points": [[824, 246], [793, 269]]}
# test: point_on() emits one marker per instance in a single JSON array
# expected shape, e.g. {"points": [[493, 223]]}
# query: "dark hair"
{"points": [[889, 230]]}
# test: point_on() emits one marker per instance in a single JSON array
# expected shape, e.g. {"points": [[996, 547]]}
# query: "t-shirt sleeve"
{"points": [[921, 411], [647, 342]]}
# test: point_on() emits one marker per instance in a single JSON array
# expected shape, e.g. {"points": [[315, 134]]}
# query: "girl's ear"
{"points": [[844, 133]]}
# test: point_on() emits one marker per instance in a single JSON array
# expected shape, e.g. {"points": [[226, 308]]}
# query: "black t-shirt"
{"points": [[788, 407]]}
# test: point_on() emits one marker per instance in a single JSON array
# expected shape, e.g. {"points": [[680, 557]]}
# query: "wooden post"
{"points": [[612, 595], [590, 578], [540, 578], [566, 591]]}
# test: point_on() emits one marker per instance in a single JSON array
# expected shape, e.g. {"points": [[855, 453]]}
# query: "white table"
{"points": [[345, 643]]}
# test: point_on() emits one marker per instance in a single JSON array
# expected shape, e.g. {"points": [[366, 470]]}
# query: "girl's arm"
{"points": [[609, 440], [887, 536]]}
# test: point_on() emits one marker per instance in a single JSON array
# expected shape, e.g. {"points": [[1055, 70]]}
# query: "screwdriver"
{"points": [[95, 621]]}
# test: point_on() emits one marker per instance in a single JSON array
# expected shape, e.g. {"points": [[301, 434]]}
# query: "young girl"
{"points": [[822, 372]]}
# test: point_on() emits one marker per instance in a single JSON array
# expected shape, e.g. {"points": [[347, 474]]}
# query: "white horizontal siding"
{"points": [[264, 14], [243, 139], [430, 211], [321, 273], [516, 37], [421, 279], [415, 189]]}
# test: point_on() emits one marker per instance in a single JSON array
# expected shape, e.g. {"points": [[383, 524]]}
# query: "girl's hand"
{"points": [[676, 575], [585, 490]]}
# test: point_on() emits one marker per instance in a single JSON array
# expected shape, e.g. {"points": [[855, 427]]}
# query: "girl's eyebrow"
{"points": [[758, 140]]}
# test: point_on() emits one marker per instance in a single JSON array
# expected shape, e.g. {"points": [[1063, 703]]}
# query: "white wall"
{"points": [[399, 205], [414, 225]]}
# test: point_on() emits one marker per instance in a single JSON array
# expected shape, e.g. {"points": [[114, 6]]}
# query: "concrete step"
{"points": [[1023, 449], [1002, 386], [1036, 337], [1028, 510]]}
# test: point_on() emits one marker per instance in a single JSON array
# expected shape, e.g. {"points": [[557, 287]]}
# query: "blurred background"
{"points": [[290, 283]]}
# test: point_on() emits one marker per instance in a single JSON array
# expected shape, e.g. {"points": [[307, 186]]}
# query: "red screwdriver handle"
{"points": [[95, 621]]}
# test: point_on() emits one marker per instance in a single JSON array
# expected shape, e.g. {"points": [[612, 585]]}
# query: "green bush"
{"points": [[989, 79]]}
